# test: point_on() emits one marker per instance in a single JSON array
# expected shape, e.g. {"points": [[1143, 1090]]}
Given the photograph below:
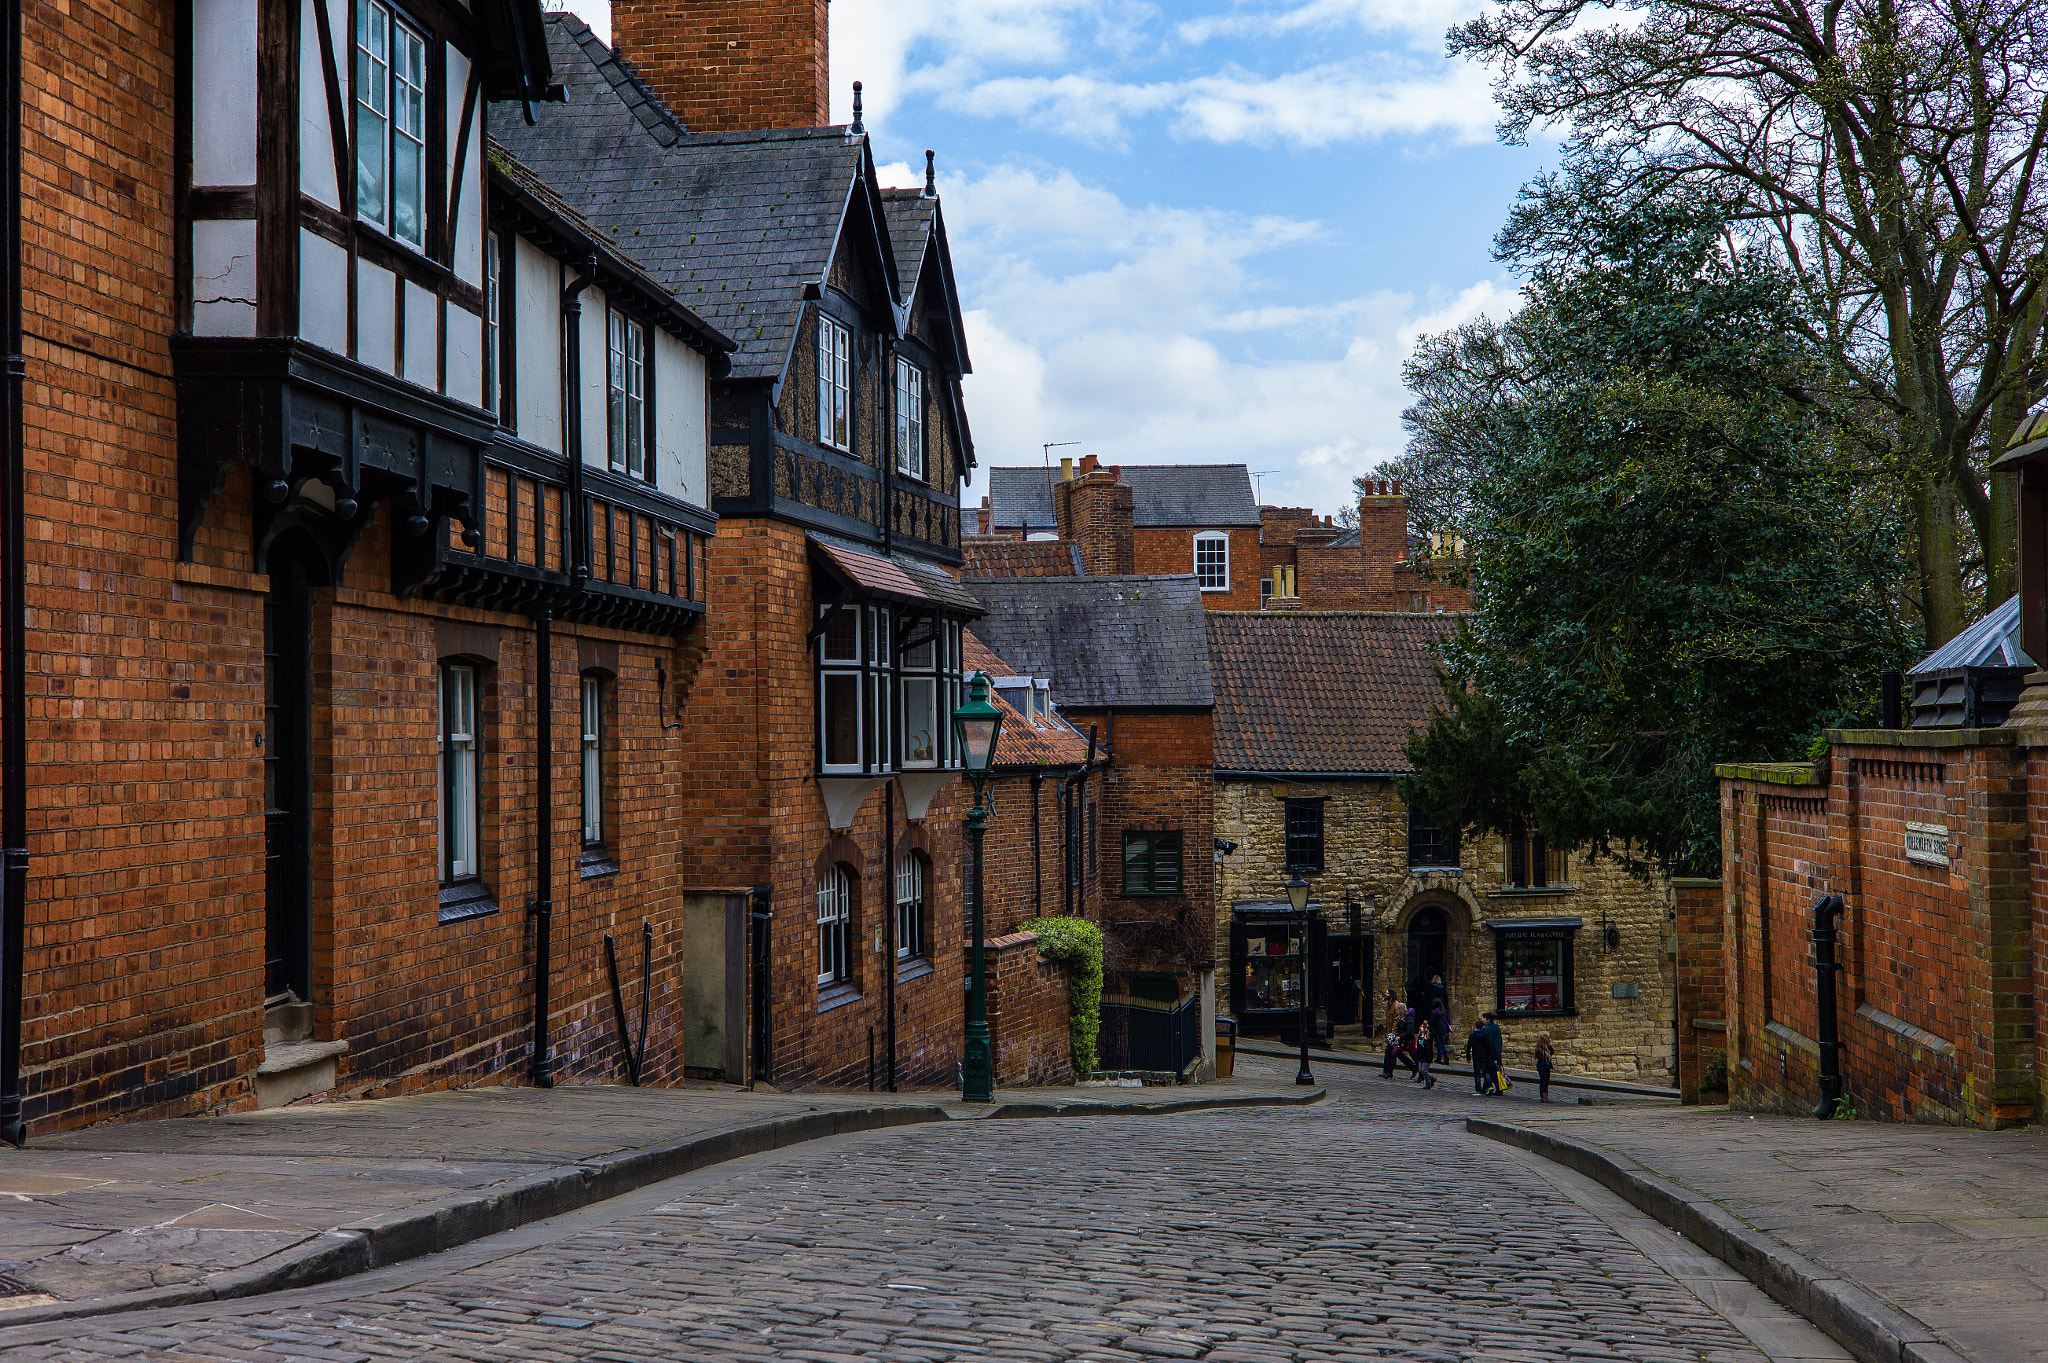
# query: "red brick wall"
{"points": [[1019, 886], [1096, 512], [1170, 550], [731, 65], [1699, 911], [1933, 1001], [1028, 1013]]}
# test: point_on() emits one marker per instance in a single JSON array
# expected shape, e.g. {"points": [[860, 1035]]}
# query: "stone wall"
{"points": [[1366, 868]]}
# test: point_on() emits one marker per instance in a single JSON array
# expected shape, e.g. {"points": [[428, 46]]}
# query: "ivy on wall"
{"points": [[1078, 943]]}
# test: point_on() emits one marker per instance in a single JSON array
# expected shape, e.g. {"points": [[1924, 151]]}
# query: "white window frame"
{"points": [[910, 892], [910, 450], [1216, 577], [494, 401], [593, 761], [835, 382], [920, 671], [390, 90], [626, 393], [460, 787], [835, 927]]}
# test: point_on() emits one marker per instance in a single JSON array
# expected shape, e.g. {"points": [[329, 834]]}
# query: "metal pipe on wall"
{"points": [[1827, 913], [13, 637], [544, 841], [764, 1054]]}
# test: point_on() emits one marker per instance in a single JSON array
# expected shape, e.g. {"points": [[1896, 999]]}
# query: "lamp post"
{"points": [[976, 725], [1297, 895]]}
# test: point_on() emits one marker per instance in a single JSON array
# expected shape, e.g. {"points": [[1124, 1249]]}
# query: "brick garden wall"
{"points": [[1699, 914], [1934, 1003], [1028, 1013]]}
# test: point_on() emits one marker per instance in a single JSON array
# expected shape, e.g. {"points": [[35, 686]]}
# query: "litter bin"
{"points": [[1226, 1047]]}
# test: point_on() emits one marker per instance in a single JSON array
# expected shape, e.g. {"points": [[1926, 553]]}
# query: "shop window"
{"points": [[1531, 865], [391, 123], [1212, 561], [1151, 862], [1533, 968], [909, 419], [626, 393], [835, 384], [1304, 833], [1430, 843], [910, 883], [835, 927]]}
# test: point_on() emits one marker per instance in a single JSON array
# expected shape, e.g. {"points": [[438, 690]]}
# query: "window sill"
{"points": [[465, 900], [915, 968], [596, 862], [1152, 894], [1212, 591], [831, 996], [1446, 868], [1530, 891], [1504, 1016]]}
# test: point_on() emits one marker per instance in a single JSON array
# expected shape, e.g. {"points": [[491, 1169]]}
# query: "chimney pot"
{"points": [[1066, 468]]}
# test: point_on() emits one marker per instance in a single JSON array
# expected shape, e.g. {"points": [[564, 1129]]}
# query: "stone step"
{"points": [[287, 1023], [295, 1070]]}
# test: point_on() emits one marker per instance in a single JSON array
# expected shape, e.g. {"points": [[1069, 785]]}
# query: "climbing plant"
{"points": [[1078, 943]]}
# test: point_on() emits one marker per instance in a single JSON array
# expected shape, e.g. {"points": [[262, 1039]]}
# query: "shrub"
{"points": [[1078, 943]]}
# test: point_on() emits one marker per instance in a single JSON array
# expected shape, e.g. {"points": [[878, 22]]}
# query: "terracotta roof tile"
{"points": [[1020, 744], [1020, 558], [1322, 691]]}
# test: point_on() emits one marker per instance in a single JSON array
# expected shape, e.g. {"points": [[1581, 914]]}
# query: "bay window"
{"points": [[888, 683], [840, 672], [391, 123]]}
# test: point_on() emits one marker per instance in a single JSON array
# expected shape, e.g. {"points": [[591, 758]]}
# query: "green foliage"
{"points": [[1662, 577], [1077, 942]]}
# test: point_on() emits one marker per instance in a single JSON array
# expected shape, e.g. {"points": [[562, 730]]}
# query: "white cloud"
{"points": [[1424, 19], [1121, 327]]}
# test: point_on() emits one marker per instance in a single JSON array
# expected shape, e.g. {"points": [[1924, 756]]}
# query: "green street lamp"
{"points": [[975, 726], [1297, 896]]}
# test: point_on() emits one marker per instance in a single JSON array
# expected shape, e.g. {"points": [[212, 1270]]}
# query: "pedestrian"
{"points": [[1478, 1052], [1543, 1062], [1394, 1008], [1426, 1041], [1400, 1045], [1440, 1029], [1435, 996], [1496, 1047]]}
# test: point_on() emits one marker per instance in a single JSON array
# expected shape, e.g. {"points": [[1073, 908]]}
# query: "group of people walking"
{"points": [[1418, 1041]]}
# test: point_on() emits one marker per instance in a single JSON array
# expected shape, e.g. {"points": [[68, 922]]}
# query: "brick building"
{"points": [[1312, 710], [1126, 657], [561, 547], [1377, 565]]}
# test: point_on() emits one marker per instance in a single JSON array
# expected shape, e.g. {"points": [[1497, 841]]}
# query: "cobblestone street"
{"points": [[1366, 1227]]}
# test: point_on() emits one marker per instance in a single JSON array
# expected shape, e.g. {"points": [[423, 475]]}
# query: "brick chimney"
{"points": [[731, 65], [1382, 531], [1096, 512]]}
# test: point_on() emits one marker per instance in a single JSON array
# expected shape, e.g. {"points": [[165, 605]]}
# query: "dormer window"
{"points": [[835, 384], [909, 419], [391, 124]]}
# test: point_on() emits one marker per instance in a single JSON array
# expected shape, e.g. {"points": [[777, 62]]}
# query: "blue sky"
{"points": [[1192, 233]]}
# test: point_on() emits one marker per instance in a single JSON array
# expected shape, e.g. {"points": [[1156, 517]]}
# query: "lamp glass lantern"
{"points": [[1297, 893], [976, 726]]}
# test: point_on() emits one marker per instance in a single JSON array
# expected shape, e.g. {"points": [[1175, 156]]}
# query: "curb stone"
{"points": [[1853, 1316], [1577, 1081], [458, 1219]]}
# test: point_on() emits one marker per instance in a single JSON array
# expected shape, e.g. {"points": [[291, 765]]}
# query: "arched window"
{"points": [[910, 879], [1212, 561], [835, 926]]}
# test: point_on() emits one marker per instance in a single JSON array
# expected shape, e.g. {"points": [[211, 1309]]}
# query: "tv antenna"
{"points": [[1045, 453], [1258, 494]]}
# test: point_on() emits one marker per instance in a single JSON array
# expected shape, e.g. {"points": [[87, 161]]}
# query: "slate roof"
{"points": [[746, 219], [1322, 691], [1993, 641], [1130, 642], [1017, 558], [1051, 743], [910, 223], [1193, 495]]}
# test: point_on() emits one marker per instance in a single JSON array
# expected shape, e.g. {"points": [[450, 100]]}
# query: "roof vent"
{"points": [[1972, 681]]}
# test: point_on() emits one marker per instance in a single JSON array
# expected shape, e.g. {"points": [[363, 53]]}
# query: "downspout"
{"points": [[889, 887], [764, 1054], [13, 639], [1037, 861], [544, 668], [1827, 912]]}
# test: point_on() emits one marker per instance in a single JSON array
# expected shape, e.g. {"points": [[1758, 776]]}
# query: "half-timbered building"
{"points": [[825, 780]]}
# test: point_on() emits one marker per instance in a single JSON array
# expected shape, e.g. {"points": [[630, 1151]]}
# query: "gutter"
{"points": [[1223, 775], [13, 637]]}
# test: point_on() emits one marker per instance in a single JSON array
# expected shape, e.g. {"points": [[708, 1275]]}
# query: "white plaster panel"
{"points": [[536, 305], [596, 432], [679, 419], [224, 278], [422, 341], [224, 92], [316, 140], [469, 224], [376, 317], [323, 292], [465, 356]]}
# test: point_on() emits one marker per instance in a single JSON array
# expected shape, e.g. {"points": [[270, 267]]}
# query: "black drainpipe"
{"points": [[13, 641], [889, 888], [544, 669], [764, 1055], [1825, 915], [1037, 865]]}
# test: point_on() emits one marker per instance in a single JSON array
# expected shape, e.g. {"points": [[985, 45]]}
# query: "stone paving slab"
{"points": [[160, 1213], [1947, 1225]]}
